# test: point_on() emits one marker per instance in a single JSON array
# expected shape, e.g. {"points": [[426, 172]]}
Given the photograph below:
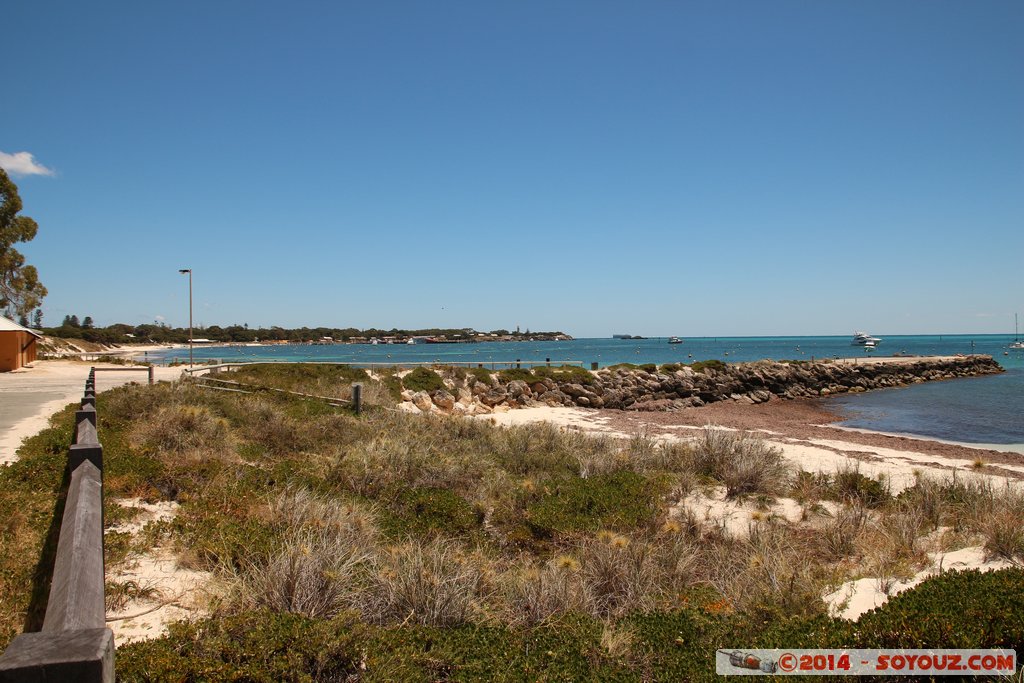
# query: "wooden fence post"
{"points": [[357, 397]]}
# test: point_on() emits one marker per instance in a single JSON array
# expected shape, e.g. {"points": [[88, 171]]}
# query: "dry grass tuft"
{"points": [[180, 428], [313, 575], [326, 545], [767, 574], [840, 534], [266, 424], [537, 594], [620, 574], [743, 463], [434, 584], [999, 517], [617, 641]]}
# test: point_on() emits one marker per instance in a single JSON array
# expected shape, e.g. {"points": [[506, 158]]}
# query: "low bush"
{"points": [[481, 375], [537, 450], [703, 366], [312, 575], [620, 574], [257, 647], [839, 535], [998, 515], [619, 501], [425, 512], [848, 484], [422, 379], [572, 374], [513, 374], [767, 575], [966, 609]]}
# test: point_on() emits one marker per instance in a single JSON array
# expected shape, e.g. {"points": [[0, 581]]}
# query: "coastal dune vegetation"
{"points": [[392, 546]]}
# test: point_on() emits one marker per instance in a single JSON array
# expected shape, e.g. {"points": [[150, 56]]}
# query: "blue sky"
{"points": [[691, 168]]}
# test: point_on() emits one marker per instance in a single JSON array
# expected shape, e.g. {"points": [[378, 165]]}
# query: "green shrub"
{"points": [[423, 379], [671, 367], [619, 501], [568, 650], [392, 382], [481, 375], [257, 647], [849, 484], [968, 609], [428, 511], [680, 645], [703, 366], [513, 374], [571, 374], [29, 490]]}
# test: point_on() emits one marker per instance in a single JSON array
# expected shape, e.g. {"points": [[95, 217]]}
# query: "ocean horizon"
{"points": [[982, 410]]}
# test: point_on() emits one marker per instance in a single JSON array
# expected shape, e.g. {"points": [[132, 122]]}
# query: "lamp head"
{"points": [[184, 270]]}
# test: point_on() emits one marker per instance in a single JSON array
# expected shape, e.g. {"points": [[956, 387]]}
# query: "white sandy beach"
{"points": [[899, 467]]}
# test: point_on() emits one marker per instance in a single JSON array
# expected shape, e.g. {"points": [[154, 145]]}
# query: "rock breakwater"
{"points": [[677, 386]]}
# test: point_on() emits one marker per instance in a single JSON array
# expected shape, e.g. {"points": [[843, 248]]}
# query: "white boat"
{"points": [[675, 340], [864, 339], [1017, 344]]}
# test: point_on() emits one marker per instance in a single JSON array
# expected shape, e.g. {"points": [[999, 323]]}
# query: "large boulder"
{"points": [[422, 400], [443, 400], [494, 396], [574, 390], [518, 389]]}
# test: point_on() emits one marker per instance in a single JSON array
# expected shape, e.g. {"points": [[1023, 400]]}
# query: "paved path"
{"points": [[29, 397]]}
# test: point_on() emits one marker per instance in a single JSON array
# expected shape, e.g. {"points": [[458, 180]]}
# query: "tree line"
{"points": [[160, 333]]}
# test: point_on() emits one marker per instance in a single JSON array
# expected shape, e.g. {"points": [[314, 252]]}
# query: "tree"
{"points": [[37, 319], [87, 322], [73, 321], [20, 289]]}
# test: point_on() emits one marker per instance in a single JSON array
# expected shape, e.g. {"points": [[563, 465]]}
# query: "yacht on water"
{"points": [[675, 340], [1018, 343], [864, 339]]}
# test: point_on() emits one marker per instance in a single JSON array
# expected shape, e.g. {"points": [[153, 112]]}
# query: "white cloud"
{"points": [[22, 163]]}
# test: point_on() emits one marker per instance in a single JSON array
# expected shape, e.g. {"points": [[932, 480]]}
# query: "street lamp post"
{"points": [[189, 271]]}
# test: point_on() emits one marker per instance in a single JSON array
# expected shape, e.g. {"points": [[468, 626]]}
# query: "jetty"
{"points": [[677, 386]]}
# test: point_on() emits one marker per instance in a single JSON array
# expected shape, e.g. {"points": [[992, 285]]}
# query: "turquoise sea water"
{"points": [[976, 410]]}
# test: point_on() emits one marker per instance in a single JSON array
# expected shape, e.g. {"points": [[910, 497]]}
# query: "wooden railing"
{"points": [[74, 643]]}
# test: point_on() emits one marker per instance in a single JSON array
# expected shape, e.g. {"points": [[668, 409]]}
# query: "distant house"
{"points": [[17, 345]]}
